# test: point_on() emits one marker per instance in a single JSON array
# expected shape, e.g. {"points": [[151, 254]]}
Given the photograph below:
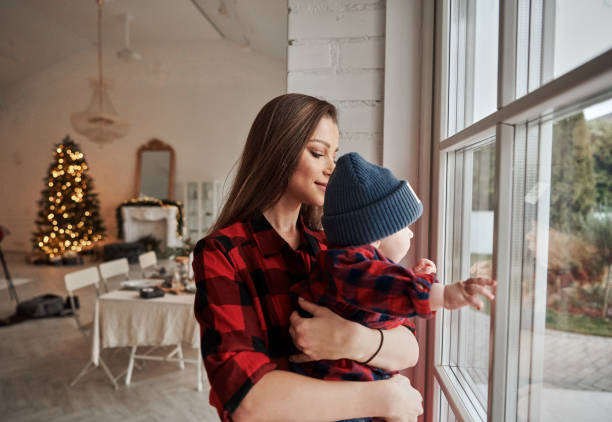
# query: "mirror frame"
{"points": [[155, 145]]}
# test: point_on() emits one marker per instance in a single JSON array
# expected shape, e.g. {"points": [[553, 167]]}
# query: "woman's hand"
{"points": [[405, 401], [324, 336], [464, 293]]}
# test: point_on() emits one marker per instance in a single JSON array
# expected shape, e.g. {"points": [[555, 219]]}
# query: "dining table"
{"points": [[122, 318]]}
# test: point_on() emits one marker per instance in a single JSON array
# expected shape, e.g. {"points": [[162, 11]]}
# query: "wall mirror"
{"points": [[155, 170]]}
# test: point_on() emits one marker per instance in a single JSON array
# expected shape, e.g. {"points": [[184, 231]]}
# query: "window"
{"points": [[554, 37], [561, 230], [469, 229], [472, 30], [525, 195]]}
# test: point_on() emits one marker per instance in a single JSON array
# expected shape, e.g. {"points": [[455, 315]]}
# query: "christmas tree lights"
{"points": [[69, 219]]}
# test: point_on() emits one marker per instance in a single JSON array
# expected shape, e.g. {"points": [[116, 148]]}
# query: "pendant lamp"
{"points": [[100, 122]]}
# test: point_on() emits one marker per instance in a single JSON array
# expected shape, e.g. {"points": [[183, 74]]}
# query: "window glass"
{"points": [[565, 368], [472, 84], [554, 318], [472, 251], [582, 31], [554, 37]]}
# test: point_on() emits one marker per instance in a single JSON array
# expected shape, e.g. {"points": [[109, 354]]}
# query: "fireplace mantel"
{"points": [[159, 222]]}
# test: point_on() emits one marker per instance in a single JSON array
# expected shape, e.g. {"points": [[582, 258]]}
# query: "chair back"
{"points": [[147, 259], [77, 280], [112, 269], [82, 278]]}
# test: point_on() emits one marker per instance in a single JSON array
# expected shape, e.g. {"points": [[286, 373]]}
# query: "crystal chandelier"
{"points": [[100, 122]]}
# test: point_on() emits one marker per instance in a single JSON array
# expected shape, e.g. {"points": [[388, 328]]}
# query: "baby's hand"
{"points": [[464, 293], [425, 266]]}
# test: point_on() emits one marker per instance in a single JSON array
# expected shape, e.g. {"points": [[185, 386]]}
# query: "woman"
{"points": [[265, 240]]}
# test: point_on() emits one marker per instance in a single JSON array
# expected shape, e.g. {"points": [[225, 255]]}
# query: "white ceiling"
{"points": [[35, 34]]}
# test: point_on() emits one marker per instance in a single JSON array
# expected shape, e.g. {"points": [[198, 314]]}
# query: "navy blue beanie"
{"points": [[365, 202]]}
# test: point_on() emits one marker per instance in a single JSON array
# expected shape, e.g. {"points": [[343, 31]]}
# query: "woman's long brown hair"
{"points": [[273, 148]]}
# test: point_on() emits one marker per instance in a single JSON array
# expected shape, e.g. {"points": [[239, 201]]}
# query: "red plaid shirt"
{"points": [[361, 285], [243, 275]]}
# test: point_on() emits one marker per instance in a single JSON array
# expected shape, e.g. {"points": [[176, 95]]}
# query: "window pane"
{"points": [[563, 269], [582, 31], [471, 211], [554, 37], [472, 85]]}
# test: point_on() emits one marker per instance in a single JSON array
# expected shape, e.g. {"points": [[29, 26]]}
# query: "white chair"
{"points": [[147, 260], [111, 269], [74, 281], [114, 268]]}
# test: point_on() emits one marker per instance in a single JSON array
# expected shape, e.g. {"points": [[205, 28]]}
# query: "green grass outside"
{"points": [[580, 324]]}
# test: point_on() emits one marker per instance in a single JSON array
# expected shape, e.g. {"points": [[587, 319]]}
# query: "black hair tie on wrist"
{"points": [[382, 340]]}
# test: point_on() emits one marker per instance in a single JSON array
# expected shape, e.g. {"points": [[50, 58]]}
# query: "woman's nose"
{"points": [[330, 166]]}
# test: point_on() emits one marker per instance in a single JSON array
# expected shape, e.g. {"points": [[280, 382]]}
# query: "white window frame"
{"points": [[581, 84]]}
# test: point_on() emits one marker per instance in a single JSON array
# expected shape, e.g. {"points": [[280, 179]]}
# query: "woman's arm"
{"points": [[282, 396], [400, 349], [329, 336]]}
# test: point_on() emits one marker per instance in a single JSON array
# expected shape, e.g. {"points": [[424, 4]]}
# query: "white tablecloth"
{"points": [[122, 318]]}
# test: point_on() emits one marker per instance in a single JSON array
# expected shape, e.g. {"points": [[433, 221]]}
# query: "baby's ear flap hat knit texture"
{"points": [[365, 202]]}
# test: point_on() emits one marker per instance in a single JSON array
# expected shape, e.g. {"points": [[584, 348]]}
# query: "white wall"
{"points": [[365, 56], [337, 52], [199, 98]]}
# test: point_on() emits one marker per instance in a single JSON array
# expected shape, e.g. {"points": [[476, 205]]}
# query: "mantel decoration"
{"points": [[150, 202], [69, 216], [100, 122]]}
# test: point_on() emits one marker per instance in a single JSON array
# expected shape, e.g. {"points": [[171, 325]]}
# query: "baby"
{"points": [[366, 216]]}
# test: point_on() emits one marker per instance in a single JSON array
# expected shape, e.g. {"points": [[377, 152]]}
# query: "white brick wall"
{"points": [[309, 57], [337, 52], [363, 54], [354, 85]]}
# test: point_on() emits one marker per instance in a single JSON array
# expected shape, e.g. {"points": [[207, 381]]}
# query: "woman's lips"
{"points": [[321, 186]]}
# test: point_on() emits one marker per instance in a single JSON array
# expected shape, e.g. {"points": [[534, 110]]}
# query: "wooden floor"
{"points": [[39, 358]]}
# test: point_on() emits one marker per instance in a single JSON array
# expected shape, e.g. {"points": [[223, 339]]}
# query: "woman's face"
{"points": [[317, 162]]}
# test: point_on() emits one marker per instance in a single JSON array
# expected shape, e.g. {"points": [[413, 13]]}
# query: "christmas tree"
{"points": [[69, 218]]}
